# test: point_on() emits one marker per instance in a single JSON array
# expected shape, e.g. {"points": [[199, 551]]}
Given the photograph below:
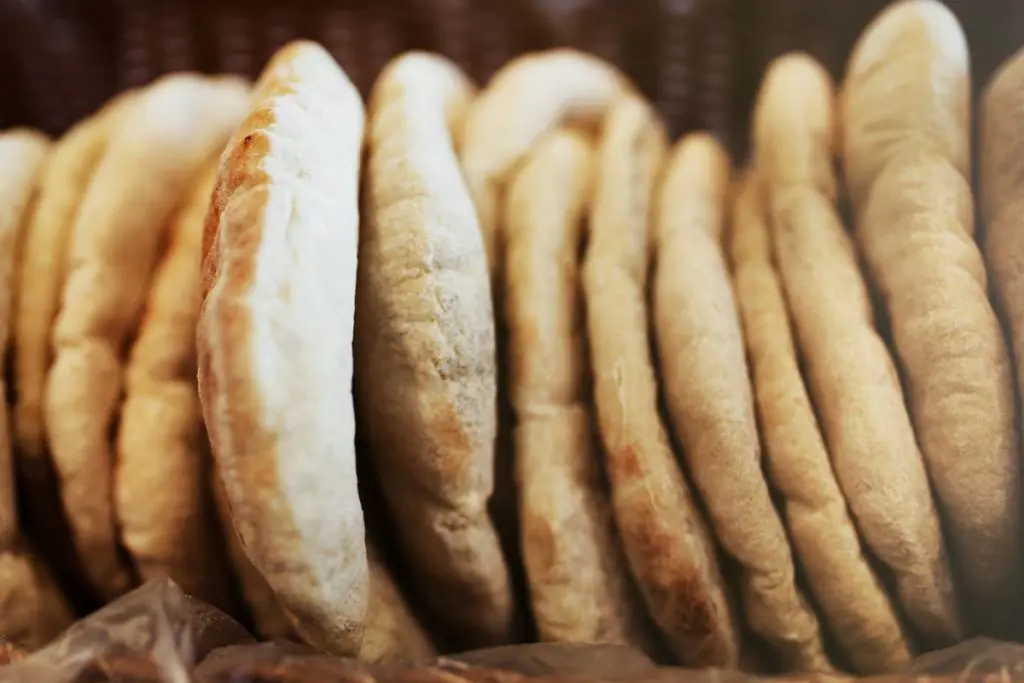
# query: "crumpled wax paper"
{"points": [[154, 633], [157, 634]]}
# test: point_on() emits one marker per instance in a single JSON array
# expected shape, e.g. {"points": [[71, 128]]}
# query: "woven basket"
{"points": [[699, 60]]}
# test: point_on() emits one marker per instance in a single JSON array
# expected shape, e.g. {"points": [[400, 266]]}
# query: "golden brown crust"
{"points": [[852, 378], [32, 607], [23, 155], [915, 226], [852, 599], [42, 268], [579, 585], [274, 341], [44, 262], [425, 348], [160, 430], [666, 540]]}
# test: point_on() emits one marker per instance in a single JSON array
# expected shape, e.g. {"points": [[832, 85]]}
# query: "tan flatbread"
{"points": [[528, 97], [32, 608], [851, 376], [163, 139], [666, 540], [1002, 206], [44, 262], [23, 155], [393, 634], [425, 349], [710, 400], [915, 226], [168, 530], [43, 265], [1002, 185], [913, 52], [580, 587], [852, 599], [275, 337]]}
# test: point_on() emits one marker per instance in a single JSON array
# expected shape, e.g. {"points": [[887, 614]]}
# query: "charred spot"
{"points": [[248, 141]]}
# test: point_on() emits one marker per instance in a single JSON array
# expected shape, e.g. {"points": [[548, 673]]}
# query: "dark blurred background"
{"points": [[699, 60]]}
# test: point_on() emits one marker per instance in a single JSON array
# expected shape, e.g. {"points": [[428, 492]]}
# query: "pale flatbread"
{"points": [[275, 341]]}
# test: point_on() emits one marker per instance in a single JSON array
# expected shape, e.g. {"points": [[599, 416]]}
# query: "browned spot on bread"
{"points": [[626, 462], [695, 617]]}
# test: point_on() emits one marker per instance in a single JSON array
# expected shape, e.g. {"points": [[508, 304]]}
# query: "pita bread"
{"points": [[274, 341], [425, 349], [33, 609]]}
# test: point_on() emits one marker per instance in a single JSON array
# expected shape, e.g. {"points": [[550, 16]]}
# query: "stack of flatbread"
{"points": [[463, 366]]}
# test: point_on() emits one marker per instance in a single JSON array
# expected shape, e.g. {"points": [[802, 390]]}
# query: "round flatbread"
{"points": [[425, 349], [274, 341]]}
